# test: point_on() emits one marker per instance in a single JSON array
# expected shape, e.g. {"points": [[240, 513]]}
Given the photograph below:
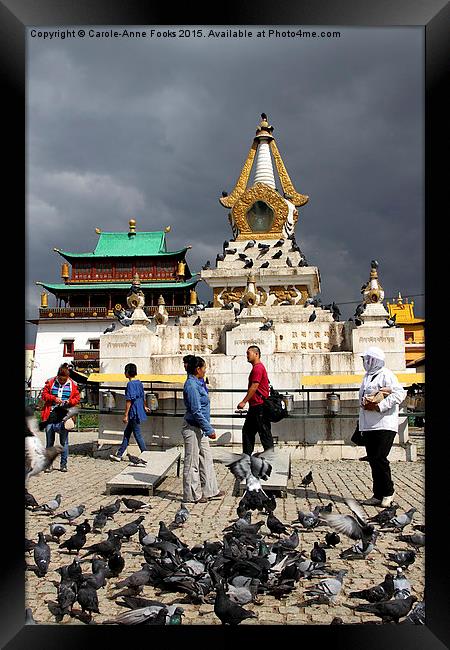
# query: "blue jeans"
{"points": [[133, 426], [50, 431]]}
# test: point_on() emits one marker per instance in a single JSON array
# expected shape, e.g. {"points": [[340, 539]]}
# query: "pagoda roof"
{"points": [[127, 244], [90, 286]]}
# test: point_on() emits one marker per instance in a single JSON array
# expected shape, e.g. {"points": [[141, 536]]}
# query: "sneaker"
{"points": [[63, 468], [387, 501], [115, 457], [373, 501]]}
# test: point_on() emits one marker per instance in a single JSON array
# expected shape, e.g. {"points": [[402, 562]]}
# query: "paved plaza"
{"points": [[333, 481]]}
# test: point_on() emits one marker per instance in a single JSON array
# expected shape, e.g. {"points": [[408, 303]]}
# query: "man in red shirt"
{"points": [[258, 391]]}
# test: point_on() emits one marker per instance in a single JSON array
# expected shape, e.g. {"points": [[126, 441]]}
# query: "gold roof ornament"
{"points": [[260, 211], [132, 225], [167, 228], [373, 292], [98, 231]]}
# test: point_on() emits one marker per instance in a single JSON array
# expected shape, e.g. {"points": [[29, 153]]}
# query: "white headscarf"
{"points": [[373, 360]]}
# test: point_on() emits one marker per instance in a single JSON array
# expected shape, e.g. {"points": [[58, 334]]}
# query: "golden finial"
{"points": [[132, 224], [399, 299], [264, 129], [98, 231], [167, 228]]}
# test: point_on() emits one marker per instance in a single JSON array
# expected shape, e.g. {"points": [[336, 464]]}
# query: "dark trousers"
{"points": [[378, 444], [255, 422]]}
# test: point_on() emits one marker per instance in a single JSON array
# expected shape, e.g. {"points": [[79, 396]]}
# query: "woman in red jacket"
{"points": [[59, 390]]}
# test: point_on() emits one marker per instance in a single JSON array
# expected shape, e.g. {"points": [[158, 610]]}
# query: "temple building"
{"points": [[94, 288], [414, 329]]}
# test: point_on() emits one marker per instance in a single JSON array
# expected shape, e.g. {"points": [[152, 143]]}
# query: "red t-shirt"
{"points": [[259, 374]]}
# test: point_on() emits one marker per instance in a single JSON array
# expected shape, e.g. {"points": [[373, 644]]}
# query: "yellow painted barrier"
{"points": [[339, 380], [120, 378]]}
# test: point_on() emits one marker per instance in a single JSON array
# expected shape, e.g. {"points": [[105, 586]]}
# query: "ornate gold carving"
{"points": [[241, 185], [282, 293], [263, 295], [260, 192], [286, 183], [231, 295]]}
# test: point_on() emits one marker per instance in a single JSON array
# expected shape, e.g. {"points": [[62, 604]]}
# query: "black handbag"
{"points": [[357, 437]]}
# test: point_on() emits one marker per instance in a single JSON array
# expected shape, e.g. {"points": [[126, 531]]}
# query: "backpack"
{"points": [[274, 408]]}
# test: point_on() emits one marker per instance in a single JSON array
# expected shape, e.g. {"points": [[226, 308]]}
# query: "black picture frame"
{"points": [[15, 17]]}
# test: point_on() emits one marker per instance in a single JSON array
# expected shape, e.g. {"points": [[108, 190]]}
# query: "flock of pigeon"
{"points": [[246, 564]]}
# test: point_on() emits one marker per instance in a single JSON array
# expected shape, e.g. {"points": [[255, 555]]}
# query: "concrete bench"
{"points": [[145, 477]]}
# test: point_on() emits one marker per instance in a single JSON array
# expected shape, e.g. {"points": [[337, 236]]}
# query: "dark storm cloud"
{"points": [[156, 129]]}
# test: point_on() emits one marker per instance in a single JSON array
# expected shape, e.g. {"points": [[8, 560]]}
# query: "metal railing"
{"points": [[73, 312]]}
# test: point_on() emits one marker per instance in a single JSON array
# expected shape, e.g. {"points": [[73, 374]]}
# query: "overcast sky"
{"points": [[155, 129]]}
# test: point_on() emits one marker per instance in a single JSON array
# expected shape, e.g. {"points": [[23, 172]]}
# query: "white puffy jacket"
{"points": [[387, 416]]}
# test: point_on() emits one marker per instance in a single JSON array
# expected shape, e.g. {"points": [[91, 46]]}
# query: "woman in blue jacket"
{"points": [[199, 477]]}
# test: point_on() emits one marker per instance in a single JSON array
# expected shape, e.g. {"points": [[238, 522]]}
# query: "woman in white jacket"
{"points": [[379, 398]]}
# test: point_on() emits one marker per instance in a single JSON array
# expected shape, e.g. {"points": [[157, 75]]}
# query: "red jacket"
{"points": [[50, 399]]}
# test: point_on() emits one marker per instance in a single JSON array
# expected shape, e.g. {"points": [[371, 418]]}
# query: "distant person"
{"points": [[59, 391], [135, 412], [258, 391], [378, 422], [199, 476]]}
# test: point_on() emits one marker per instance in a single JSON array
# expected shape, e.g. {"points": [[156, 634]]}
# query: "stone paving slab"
{"points": [[333, 480], [145, 477]]}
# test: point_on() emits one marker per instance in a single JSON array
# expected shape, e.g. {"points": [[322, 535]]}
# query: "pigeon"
{"points": [[181, 515], [29, 620], [308, 520], [420, 527], [277, 255], [326, 591], [29, 545], [177, 321], [227, 611], [275, 526], [41, 554], [130, 529], [289, 543], [85, 527], [37, 457], [231, 251], [264, 265], [266, 326], [390, 322], [402, 586], [332, 539], [224, 193], [416, 615], [228, 305], [289, 262], [318, 553], [250, 244], [263, 247], [135, 460], [135, 504], [242, 256], [416, 539], [312, 317], [87, 598], [385, 515], [354, 526], [152, 615], [105, 548], [225, 245], [400, 521], [75, 542], [307, 479], [383, 591], [57, 531], [248, 264], [361, 549], [390, 610], [197, 321], [327, 508], [166, 535], [219, 258], [403, 558], [109, 510], [30, 501], [116, 564], [374, 264], [146, 539], [123, 320], [99, 522], [66, 596], [72, 513], [136, 580], [207, 266], [109, 329], [50, 506]]}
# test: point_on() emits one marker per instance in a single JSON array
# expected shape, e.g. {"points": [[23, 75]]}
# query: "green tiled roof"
{"points": [[116, 285], [123, 244]]}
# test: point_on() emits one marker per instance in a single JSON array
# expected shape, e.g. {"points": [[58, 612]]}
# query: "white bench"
{"points": [[148, 476]]}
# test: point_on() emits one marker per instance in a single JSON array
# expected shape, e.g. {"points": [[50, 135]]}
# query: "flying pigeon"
{"points": [[37, 457], [354, 526]]}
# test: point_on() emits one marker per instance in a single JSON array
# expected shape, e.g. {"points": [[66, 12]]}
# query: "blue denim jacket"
{"points": [[196, 401]]}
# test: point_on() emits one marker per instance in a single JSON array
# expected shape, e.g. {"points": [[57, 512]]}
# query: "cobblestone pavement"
{"points": [[333, 481]]}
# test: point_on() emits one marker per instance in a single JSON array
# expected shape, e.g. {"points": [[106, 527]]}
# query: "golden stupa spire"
{"points": [[263, 137]]}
